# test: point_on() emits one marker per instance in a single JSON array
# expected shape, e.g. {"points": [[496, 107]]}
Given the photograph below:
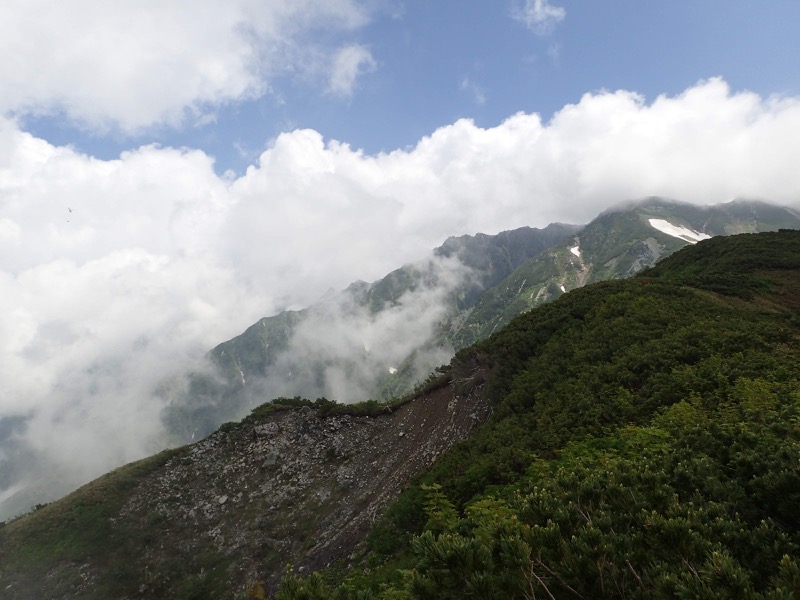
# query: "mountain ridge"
{"points": [[537, 263]]}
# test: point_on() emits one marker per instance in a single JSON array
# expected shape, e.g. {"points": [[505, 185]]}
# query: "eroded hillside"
{"points": [[292, 486]]}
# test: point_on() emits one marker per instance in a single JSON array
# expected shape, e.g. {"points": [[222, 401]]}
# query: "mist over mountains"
{"points": [[378, 340], [370, 340]]}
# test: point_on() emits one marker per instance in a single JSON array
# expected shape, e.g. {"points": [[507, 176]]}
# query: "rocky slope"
{"points": [[292, 486]]}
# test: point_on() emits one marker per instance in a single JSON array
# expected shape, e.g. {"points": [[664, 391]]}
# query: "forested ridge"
{"points": [[644, 443]]}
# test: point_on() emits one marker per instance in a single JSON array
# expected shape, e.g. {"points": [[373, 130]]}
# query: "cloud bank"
{"points": [[160, 63], [114, 274]]}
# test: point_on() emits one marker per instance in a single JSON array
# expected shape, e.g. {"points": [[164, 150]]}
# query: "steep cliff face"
{"points": [[293, 487]]}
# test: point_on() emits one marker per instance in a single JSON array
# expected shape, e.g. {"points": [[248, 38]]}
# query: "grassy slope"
{"points": [[47, 548]]}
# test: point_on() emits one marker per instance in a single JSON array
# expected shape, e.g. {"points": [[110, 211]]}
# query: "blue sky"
{"points": [[171, 171], [436, 62]]}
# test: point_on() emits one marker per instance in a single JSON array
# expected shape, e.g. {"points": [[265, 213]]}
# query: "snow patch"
{"points": [[678, 231], [392, 370], [562, 289], [576, 250]]}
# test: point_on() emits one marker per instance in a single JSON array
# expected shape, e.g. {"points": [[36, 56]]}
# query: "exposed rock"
{"points": [[296, 488]]}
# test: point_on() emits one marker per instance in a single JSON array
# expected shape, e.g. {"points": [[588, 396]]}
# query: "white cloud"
{"points": [[160, 258], [131, 64], [538, 15], [350, 63]]}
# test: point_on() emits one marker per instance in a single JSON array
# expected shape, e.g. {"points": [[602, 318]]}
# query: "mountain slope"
{"points": [[678, 386], [472, 286], [617, 244], [336, 348]]}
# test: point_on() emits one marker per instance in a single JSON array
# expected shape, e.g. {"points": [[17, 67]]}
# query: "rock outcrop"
{"points": [[294, 488]]}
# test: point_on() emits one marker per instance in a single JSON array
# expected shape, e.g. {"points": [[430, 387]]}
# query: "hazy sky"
{"points": [[170, 171]]}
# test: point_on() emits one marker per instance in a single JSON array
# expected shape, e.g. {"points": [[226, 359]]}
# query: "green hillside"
{"points": [[645, 443]]}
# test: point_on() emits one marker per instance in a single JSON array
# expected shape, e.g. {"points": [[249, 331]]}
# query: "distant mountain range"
{"points": [[378, 340]]}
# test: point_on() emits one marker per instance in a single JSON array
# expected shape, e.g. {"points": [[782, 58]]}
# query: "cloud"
{"points": [[477, 92], [132, 64], [161, 259], [349, 63], [538, 15], [340, 349]]}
